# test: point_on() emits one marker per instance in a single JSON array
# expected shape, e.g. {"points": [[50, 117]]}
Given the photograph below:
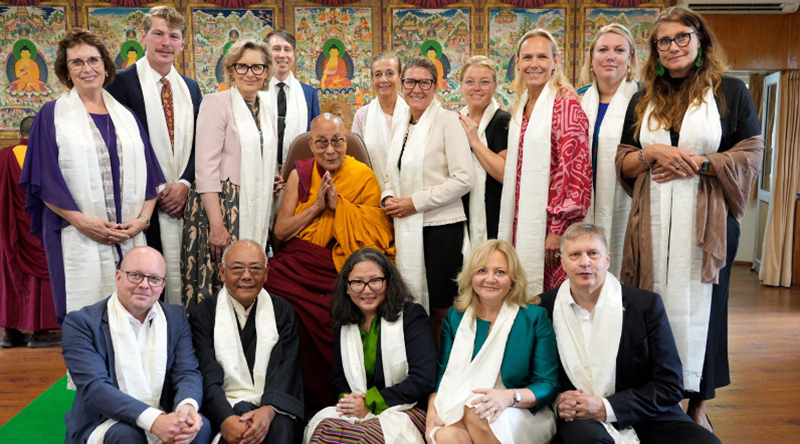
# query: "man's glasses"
{"points": [[322, 144], [424, 84], [257, 69], [136, 278], [358, 286], [78, 64]]}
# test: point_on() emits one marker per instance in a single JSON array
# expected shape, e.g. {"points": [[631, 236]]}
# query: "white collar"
{"points": [[241, 313]]}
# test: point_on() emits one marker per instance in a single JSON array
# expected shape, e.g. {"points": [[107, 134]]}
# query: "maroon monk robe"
{"points": [[26, 302]]}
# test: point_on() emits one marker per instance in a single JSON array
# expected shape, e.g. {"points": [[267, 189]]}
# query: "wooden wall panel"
{"points": [[759, 41]]}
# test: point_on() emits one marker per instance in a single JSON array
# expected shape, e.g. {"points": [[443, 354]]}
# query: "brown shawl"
{"points": [[728, 191]]}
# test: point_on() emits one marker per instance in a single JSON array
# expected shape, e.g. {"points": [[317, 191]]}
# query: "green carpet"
{"points": [[42, 421]]}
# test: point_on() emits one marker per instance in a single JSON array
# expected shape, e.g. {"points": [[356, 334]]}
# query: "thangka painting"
{"points": [[28, 46], [215, 30], [506, 27], [121, 31], [336, 44], [638, 20], [443, 35]]}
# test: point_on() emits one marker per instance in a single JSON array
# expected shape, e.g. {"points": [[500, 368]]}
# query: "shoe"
{"points": [[13, 338], [45, 338]]}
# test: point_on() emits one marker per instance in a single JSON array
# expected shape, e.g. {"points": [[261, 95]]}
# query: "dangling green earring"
{"points": [[699, 61], [660, 70]]}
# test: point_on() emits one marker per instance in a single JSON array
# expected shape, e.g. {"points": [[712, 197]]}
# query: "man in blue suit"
{"points": [[166, 103], [620, 371], [133, 364], [296, 104]]}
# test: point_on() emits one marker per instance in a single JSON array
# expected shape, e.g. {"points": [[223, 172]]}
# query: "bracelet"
{"points": [[704, 166], [644, 163], [146, 220], [517, 398]]}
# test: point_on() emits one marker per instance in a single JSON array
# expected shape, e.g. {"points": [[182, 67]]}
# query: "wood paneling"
{"points": [[759, 41]]}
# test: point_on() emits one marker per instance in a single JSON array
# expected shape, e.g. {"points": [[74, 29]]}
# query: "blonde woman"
{"points": [[498, 362], [547, 182], [610, 72], [486, 126]]}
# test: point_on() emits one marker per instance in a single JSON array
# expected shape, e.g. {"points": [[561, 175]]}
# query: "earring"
{"points": [[660, 70], [699, 61]]}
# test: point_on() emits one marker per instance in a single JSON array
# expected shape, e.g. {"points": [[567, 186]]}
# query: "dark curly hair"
{"points": [[345, 312], [77, 36]]}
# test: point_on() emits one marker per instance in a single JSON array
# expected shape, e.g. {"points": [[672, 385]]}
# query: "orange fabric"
{"points": [[19, 152], [358, 222]]}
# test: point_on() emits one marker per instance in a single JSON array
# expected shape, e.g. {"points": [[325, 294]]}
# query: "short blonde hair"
{"points": [[558, 80], [236, 51], [170, 15], [588, 76], [478, 60], [477, 260]]}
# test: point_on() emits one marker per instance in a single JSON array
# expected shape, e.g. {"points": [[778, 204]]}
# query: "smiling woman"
{"points": [[91, 214], [548, 161], [428, 171]]}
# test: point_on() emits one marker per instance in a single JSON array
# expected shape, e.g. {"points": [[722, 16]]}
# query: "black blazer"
{"points": [[649, 374], [128, 91], [421, 356]]}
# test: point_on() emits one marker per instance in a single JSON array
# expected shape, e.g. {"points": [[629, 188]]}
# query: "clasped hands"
{"points": [[250, 428], [671, 163], [399, 207], [575, 404], [179, 427], [353, 405], [172, 199], [108, 233], [328, 196]]}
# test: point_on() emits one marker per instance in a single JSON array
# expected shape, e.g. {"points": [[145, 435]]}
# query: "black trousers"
{"points": [[443, 259], [649, 432]]}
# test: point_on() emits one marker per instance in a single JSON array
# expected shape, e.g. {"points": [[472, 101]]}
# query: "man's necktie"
{"points": [[166, 102], [281, 119]]}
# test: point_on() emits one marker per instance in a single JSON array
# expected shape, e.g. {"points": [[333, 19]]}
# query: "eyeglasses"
{"points": [[238, 270], [484, 84], [136, 278], [424, 84], [257, 69], [322, 144], [358, 286], [78, 64], [681, 40]]}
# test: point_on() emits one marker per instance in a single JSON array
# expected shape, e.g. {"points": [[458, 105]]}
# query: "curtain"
{"points": [[756, 86], [776, 260]]}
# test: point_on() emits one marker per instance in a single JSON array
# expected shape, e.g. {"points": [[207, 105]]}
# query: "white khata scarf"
{"points": [[238, 384], [410, 259], [610, 204], [258, 166], [296, 110], [397, 426], [534, 186], [477, 196], [140, 370], [378, 138], [593, 367], [173, 161], [89, 267], [677, 258]]}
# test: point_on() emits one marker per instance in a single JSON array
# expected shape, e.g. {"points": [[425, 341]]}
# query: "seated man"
{"points": [[249, 353], [131, 359], [331, 208], [620, 369]]}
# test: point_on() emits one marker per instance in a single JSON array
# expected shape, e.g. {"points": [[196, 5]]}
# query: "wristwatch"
{"points": [[146, 220], [517, 398], [704, 165]]}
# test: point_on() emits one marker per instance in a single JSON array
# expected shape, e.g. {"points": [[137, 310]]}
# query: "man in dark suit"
{"points": [[620, 371], [287, 93], [167, 104], [131, 360], [249, 353]]}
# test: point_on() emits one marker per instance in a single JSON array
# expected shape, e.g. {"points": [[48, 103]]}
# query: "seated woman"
{"points": [[498, 362], [383, 357]]}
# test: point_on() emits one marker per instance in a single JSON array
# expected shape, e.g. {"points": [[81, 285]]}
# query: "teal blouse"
{"points": [[531, 356]]}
